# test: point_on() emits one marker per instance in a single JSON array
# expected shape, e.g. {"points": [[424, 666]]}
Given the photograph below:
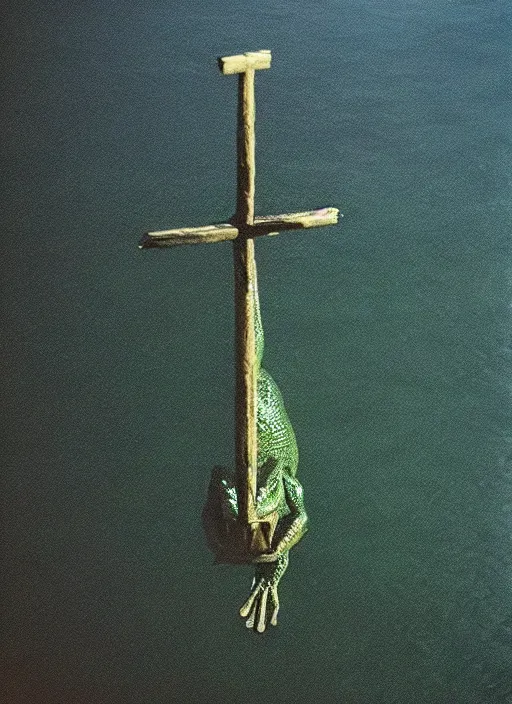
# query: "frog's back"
{"points": [[276, 438]]}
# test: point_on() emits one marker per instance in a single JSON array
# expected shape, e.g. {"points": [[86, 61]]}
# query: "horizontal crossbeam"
{"points": [[266, 225]]}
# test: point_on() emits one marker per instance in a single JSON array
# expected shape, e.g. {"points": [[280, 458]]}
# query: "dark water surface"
{"points": [[389, 337]]}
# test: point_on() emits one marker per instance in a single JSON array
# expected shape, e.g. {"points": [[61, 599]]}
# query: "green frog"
{"points": [[279, 499]]}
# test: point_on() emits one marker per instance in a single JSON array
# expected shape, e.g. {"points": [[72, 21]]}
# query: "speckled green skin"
{"points": [[278, 490]]}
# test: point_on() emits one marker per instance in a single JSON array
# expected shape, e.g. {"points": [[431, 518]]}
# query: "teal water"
{"points": [[389, 337]]}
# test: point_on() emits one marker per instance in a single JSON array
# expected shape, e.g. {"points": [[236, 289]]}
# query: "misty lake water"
{"points": [[389, 337]]}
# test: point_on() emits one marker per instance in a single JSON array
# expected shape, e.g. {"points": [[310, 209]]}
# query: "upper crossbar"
{"points": [[243, 62]]}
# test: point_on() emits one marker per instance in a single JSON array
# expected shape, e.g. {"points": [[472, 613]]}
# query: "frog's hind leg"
{"points": [[262, 606], [292, 527]]}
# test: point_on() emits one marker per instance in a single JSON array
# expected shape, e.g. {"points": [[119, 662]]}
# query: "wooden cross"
{"points": [[242, 229]]}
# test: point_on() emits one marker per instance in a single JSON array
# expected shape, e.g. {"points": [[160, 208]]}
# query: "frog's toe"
{"points": [[275, 599], [252, 617], [245, 610], [262, 612]]}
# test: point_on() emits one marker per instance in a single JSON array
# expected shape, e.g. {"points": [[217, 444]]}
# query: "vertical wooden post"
{"points": [[246, 148], [245, 343]]}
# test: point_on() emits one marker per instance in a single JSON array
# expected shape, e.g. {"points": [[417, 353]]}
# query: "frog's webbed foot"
{"points": [[262, 606]]}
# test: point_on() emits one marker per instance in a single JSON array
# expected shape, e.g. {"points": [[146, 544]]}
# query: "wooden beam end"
{"points": [[242, 62], [189, 235], [272, 224], [146, 241]]}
